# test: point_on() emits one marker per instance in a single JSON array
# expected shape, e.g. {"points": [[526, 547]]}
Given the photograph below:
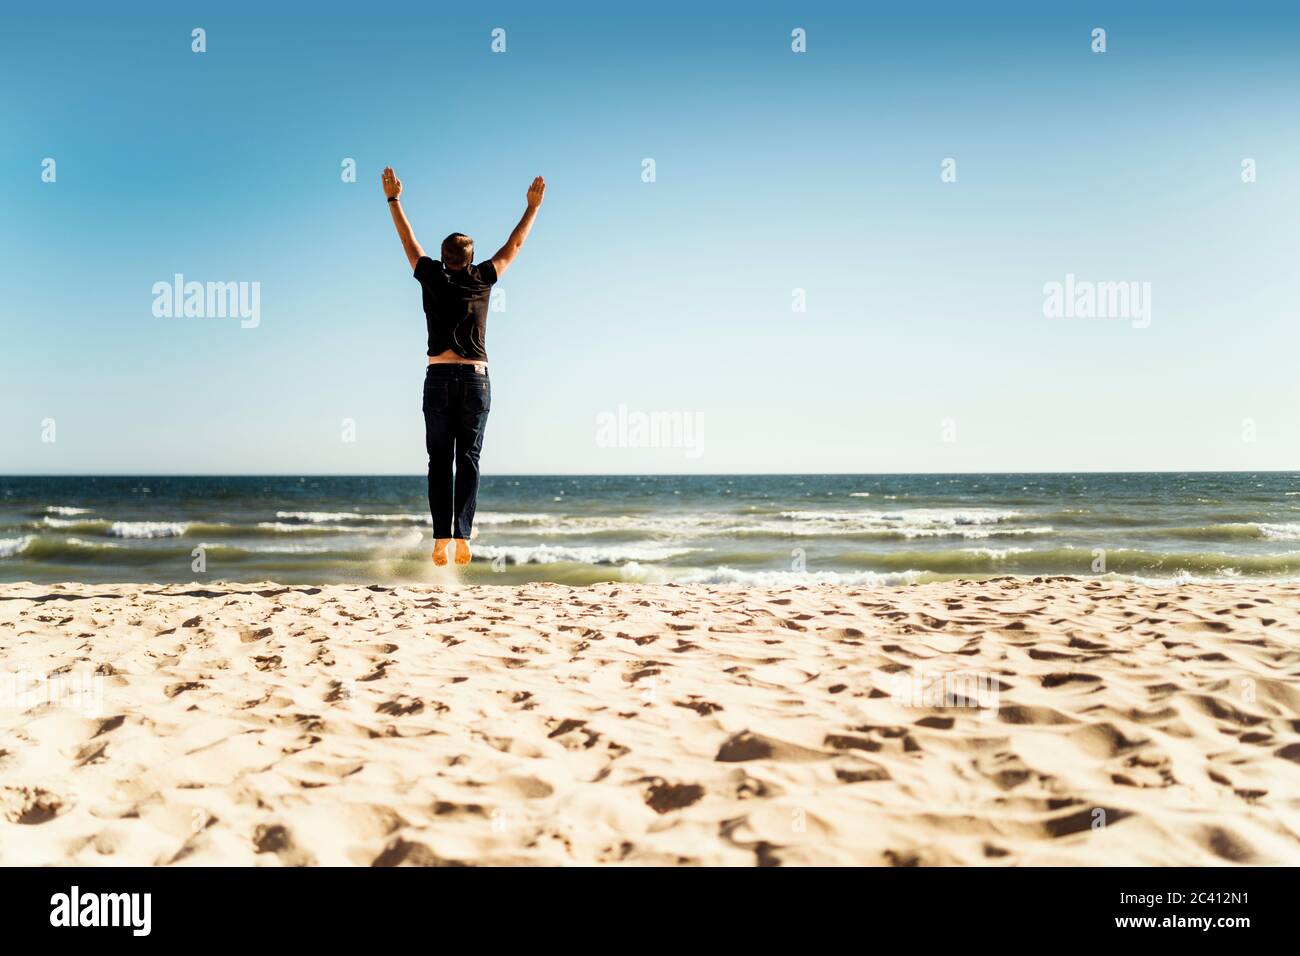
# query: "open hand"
{"points": [[392, 185], [535, 192]]}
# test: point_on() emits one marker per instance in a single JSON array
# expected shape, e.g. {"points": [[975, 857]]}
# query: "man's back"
{"points": [[455, 306]]}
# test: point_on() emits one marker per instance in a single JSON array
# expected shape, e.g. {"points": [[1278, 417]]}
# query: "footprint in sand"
{"points": [[31, 805], [274, 838], [663, 797], [401, 852]]}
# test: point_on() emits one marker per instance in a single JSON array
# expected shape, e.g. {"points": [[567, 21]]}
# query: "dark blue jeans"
{"points": [[457, 399]]}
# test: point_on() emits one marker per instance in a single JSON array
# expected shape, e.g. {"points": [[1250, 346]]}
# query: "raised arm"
{"points": [[393, 189], [506, 254]]}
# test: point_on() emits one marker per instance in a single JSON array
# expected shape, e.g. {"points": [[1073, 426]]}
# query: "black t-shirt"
{"points": [[455, 306]]}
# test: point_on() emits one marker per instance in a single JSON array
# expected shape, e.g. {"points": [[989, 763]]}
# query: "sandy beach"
{"points": [[1054, 721]]}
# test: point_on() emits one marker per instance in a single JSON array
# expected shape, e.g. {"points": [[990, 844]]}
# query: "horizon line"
{"points": [[651, 474]]}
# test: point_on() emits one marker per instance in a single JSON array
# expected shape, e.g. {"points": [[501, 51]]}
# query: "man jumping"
{"points": [[457, 394]]}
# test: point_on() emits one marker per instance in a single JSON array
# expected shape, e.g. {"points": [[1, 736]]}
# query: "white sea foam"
{"points": [[62, 522], [95, 545], [997, 554], [554, 554], [562, 524], [324, 517], [506, 517], [66, 510], [284, 527], [285, 548], [725, 575], [913, 517], [912, 523], [421, 518], [1177, 578], [915, 523], [9, 547], [147, 529], [1283, 532], [317, 516]]}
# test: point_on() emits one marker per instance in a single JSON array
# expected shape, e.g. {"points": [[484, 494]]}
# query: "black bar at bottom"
{"points": [[324, 905]]}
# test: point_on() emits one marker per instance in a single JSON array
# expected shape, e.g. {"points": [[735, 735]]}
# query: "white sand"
{"points": [[255, 724]]}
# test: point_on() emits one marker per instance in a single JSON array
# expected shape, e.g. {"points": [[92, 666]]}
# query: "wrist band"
{"points": [[393, 198]]}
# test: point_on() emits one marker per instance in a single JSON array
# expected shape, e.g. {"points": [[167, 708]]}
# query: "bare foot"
{"points": [[440, 551], [462, 552]]}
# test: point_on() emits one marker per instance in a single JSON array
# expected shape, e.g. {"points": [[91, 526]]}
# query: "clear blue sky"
{"points": [[775, 171]]}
